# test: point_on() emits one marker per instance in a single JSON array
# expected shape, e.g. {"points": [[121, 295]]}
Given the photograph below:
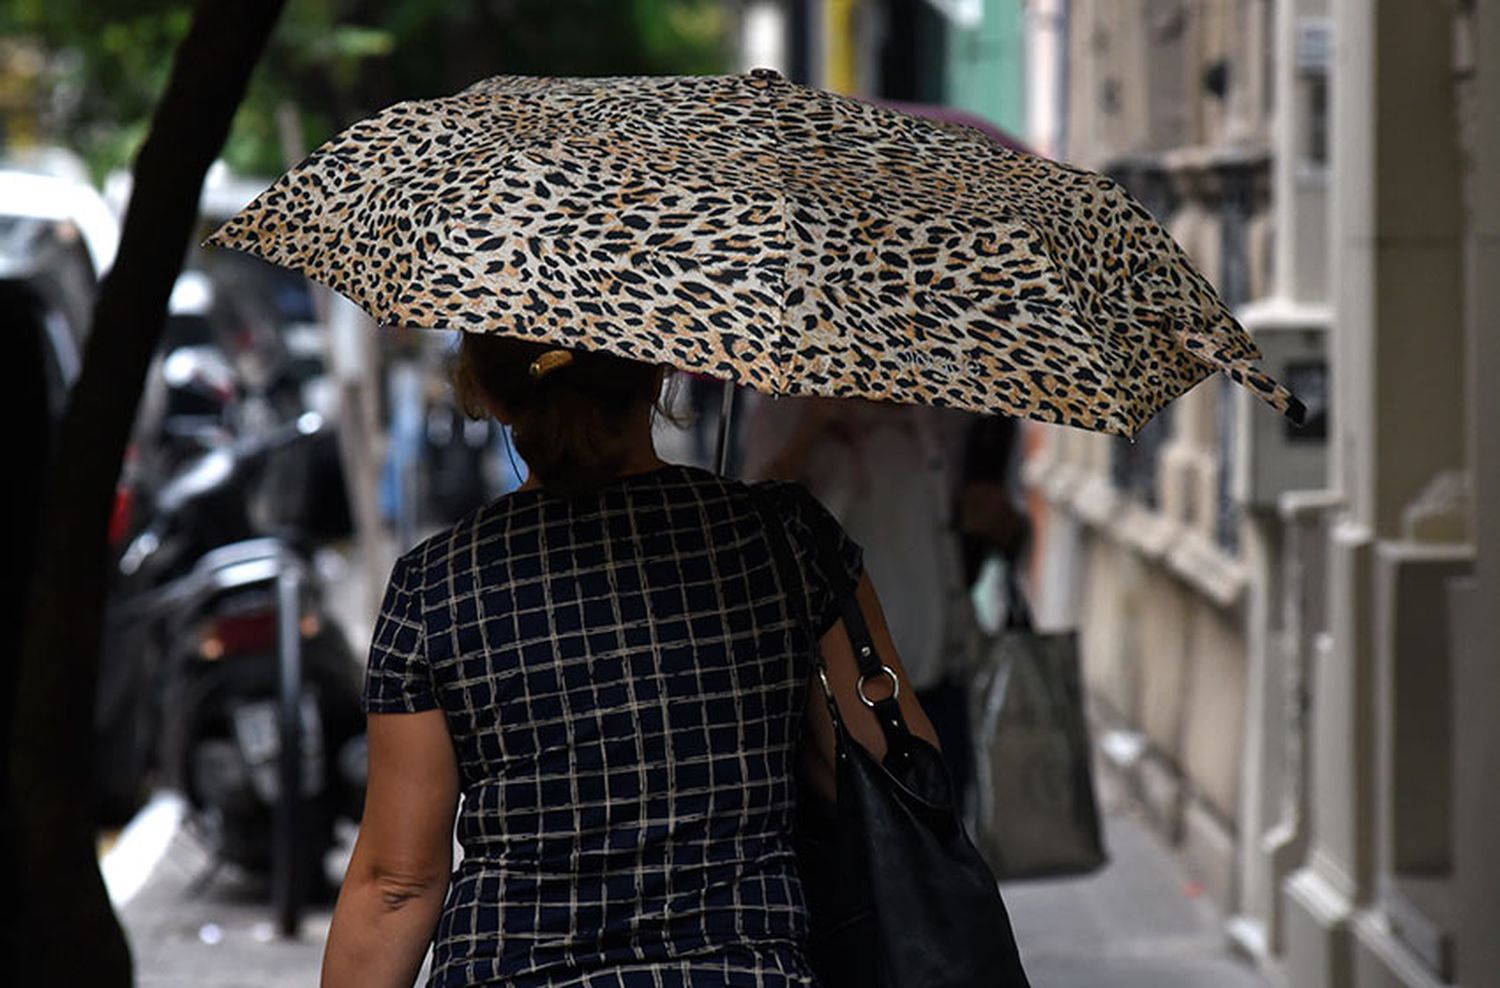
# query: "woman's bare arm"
{"points": [[843, 677], [393, 893]]}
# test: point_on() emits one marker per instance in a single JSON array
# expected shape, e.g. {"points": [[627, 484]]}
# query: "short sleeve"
{"points": [[398, 679], [831, 561]]}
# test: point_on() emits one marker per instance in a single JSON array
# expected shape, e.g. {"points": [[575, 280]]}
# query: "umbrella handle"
{"points": [[726, 417]]}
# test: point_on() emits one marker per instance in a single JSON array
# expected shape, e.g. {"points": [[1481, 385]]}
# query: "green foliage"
{"points": [[104, 71], [331, 62]]}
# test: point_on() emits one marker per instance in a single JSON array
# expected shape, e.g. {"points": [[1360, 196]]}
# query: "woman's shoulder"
{"points": [[792, 500], [412, 569], [528, 508], [524, 509], [427, 561]]}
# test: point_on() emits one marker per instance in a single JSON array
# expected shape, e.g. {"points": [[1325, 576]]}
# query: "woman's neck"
{"points": [[639, 453]]}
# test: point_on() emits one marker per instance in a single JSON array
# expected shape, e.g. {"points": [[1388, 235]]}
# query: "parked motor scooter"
{"points": [[193, 692]]}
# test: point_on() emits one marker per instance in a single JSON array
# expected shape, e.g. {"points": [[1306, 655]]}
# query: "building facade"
{"points": [[967, 54], [1288, 633]]}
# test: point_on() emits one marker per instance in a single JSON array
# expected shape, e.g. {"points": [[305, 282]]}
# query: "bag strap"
{"points": [[887, 710], [1017, 621], [1017, 609], [796, 593]]}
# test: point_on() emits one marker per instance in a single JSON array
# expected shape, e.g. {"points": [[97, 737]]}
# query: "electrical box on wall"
{"points": [[1275, 455]]}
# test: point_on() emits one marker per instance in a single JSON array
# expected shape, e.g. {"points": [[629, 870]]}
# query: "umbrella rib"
{"points": [[784, 336], [1084, 323]]}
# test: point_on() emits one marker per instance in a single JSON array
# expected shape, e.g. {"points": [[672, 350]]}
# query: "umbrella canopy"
{"points": [[954, 115], [782, 237]]}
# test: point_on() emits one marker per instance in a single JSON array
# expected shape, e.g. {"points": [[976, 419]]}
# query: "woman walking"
{"points": [[607, 666]]}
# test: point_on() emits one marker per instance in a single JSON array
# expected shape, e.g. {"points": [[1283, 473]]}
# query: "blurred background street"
{"points": [[1289, 638]]}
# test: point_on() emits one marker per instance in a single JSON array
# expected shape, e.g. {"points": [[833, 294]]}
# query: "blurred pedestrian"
{"points": [[606, 665], [889, 474], [990, 516]]}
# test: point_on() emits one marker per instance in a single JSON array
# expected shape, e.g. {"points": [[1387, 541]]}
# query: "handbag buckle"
{"points": [[859, 687]]}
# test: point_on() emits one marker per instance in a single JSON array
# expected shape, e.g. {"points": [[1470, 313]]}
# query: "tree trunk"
{"points": [[71, 934]]}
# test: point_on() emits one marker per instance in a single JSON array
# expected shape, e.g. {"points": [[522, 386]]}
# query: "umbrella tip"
{"points": [[1296, 410]]}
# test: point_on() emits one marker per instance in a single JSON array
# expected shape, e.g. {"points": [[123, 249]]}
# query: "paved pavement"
{"points": [[191, 931], [1136, 924]]}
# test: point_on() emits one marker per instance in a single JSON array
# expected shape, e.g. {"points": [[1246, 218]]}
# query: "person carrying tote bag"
{"points": [[898, 895], [1036, 811]]}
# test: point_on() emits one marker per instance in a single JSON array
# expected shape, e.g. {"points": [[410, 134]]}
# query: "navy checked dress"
{"points": [[625, 687]]}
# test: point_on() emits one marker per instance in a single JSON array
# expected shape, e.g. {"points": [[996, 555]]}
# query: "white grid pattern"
{"points": [[625, 688]]}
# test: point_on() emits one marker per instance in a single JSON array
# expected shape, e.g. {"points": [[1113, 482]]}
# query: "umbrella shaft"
{"points": [[726, 416]]}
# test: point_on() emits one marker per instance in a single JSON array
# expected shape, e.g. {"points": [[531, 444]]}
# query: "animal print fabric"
{"points": [[749, 228]]}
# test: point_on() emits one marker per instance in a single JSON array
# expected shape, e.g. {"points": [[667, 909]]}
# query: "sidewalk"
{"points": [[1133, 925], [217, 936]]}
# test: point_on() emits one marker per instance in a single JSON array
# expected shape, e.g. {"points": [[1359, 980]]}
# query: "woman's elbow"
{"points": [[396, 888], [398, 892]]}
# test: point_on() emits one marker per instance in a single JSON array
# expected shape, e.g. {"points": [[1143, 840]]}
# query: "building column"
{"points": [[1281, 481], [1475, 616], [1399, 386]]}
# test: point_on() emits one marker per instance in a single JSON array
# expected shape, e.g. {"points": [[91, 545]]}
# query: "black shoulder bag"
{"points": [[898, 896]]}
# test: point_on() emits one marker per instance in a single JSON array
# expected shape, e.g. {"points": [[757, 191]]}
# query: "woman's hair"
{"points": [[567, 410]]}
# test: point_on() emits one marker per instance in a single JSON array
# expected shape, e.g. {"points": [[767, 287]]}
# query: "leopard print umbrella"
{"points": [[749, 228]]}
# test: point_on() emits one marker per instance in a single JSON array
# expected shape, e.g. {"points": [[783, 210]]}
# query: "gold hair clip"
{"points": [[549, 362]]}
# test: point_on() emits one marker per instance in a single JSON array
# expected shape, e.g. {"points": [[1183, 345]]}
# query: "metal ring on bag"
{"points": [[859, 687]]}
